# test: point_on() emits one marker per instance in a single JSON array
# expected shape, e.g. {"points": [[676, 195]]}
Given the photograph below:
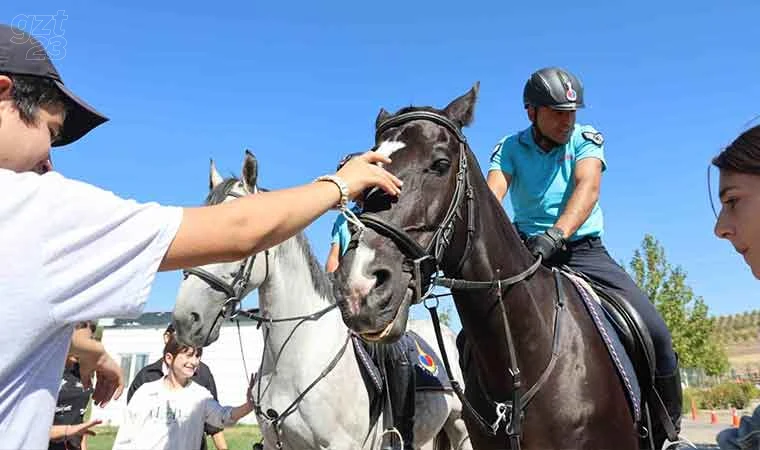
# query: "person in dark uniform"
{"points": [[553, 172], [69, 429], [203, 376]]}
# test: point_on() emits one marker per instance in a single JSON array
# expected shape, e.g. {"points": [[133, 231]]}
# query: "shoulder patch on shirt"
{"points": [[495, 150], [595, 137]]}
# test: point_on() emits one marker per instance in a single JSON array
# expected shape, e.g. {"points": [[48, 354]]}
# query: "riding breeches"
{"points": [[590, 257]]}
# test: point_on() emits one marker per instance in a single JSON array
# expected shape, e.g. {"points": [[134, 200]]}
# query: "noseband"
{"points": [[424, 263]]}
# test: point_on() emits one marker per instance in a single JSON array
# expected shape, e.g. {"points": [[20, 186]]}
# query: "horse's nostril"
{"points": [[195, 317], [381, 276]]}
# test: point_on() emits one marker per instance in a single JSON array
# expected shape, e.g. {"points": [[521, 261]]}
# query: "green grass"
{"points": [[239, 437]]}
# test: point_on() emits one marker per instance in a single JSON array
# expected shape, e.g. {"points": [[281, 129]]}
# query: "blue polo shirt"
{"points": [[340, 233], [542, 182]]}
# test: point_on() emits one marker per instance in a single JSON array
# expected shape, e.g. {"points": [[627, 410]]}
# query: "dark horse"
{"points": [[563, 373]]}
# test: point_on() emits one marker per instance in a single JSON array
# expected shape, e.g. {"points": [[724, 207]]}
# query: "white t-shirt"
{"points": [[68, 252], [159, 418]]}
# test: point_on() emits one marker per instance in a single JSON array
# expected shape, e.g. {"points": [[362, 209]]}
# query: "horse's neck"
{"points": [[498, 253], [497, 250], [296, 286], [293, 362]]}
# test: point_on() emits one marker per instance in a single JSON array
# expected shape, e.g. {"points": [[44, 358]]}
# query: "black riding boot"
{"points": [[401, 387], [669, 388]]}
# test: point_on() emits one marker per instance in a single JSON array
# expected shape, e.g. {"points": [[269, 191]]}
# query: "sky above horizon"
{"points": [[300, 84]]}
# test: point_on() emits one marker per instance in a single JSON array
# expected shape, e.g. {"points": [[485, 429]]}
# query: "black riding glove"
{"points": [[547, 243]]}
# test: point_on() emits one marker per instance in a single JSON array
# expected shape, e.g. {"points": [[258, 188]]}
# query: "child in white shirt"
{"points": [[169, 413]]}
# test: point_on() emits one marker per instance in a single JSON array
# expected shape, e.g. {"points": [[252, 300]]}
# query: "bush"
{"points": [[750, 390], [726, 395], [688, 395]]}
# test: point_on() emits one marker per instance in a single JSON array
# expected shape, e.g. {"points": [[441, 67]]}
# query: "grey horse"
{"points": [[309, 369]]}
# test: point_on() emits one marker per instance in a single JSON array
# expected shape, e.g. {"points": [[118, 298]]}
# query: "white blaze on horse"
{"points": [[309, 389]]}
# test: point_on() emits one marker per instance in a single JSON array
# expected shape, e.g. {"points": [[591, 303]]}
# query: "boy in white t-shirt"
{"points": [[169, 413], [73, 252]]}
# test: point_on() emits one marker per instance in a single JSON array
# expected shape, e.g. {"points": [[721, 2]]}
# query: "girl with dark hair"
{"points": [[169, 414], [739, 223]]}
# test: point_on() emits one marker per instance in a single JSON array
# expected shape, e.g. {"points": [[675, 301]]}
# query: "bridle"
{"points": [[424, 265], [236, 289]]}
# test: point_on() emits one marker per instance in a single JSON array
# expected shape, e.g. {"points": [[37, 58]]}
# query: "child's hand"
{"points": [[249, 392]]}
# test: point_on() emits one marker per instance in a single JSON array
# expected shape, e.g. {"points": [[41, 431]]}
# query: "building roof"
{"points": [[148, 319], [152, 320]]}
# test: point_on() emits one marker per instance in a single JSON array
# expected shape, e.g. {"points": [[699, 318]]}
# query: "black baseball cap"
{"points": [[15, 45]]}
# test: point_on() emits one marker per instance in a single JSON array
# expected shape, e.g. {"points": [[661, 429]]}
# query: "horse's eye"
{"points": [[441, 165]]}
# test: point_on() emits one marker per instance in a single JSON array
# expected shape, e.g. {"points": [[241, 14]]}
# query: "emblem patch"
{"points": [[571, 94], [595, 137], [426, 361], [495, 150]]}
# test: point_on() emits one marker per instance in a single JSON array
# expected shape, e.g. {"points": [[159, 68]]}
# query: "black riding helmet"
{"points": [[554, 87]]}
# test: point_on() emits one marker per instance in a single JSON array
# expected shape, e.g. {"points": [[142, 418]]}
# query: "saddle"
{"points": [[630, 329], [636, 340]]}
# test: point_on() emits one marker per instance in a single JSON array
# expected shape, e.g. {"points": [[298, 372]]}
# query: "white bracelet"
{"points": [[343, 203]]}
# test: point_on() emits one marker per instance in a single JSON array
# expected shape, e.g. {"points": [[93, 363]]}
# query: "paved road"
{"points": [[701, 432]]}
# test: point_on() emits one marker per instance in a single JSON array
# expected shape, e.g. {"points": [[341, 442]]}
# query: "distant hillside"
{"points": [[738, 328], [740, 336]]}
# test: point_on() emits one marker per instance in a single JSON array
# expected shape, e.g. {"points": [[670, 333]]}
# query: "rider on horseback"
{"points": [[398, 367], [554, 169]]}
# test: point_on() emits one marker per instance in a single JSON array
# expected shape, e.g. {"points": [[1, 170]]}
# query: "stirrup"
{"points": [[681, 440], [392, 430]]}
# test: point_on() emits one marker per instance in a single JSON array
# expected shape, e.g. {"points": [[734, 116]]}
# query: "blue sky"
{"points": [[300, 83]]}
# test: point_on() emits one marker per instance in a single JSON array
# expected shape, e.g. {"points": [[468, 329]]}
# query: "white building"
{"points": [[136, 343]]}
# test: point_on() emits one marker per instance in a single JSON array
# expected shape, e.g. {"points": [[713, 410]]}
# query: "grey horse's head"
{"points": [[210, 294]]}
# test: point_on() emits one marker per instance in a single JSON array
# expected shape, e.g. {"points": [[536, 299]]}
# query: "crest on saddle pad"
{"points": [[425, 360]]}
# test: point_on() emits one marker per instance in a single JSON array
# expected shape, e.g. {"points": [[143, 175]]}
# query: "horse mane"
{"points": [[319, 279]]}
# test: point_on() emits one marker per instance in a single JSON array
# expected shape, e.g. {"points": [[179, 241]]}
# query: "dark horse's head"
{"points": [[377, 275]]}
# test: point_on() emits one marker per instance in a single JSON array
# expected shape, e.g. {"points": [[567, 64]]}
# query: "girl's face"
{"points": [[184, 365], [739, 219]]}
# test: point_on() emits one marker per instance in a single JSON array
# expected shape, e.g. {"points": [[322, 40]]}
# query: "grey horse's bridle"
{"points": [[236, 289]]}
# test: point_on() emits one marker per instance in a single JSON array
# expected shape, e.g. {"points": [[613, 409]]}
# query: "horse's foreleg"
{"points": [[456, 429]]}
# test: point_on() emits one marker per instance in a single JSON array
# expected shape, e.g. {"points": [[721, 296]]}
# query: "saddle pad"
{"points": [[429, 371], [373, 378], [430, 375], [615, 348]]}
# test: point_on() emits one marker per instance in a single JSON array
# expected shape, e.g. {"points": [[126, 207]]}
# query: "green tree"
{"points": [[444, 315], [684, 313]]}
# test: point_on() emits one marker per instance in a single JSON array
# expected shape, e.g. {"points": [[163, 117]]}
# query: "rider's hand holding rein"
{"points": [[233, 230]]}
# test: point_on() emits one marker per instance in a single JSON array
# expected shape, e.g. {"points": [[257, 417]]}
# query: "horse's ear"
{"points": [[250, 171], [214, 179], [462, 109], [381, 117]]}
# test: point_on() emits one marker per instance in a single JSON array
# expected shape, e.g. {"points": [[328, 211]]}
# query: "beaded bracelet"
{"points": [[343, 203]]}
